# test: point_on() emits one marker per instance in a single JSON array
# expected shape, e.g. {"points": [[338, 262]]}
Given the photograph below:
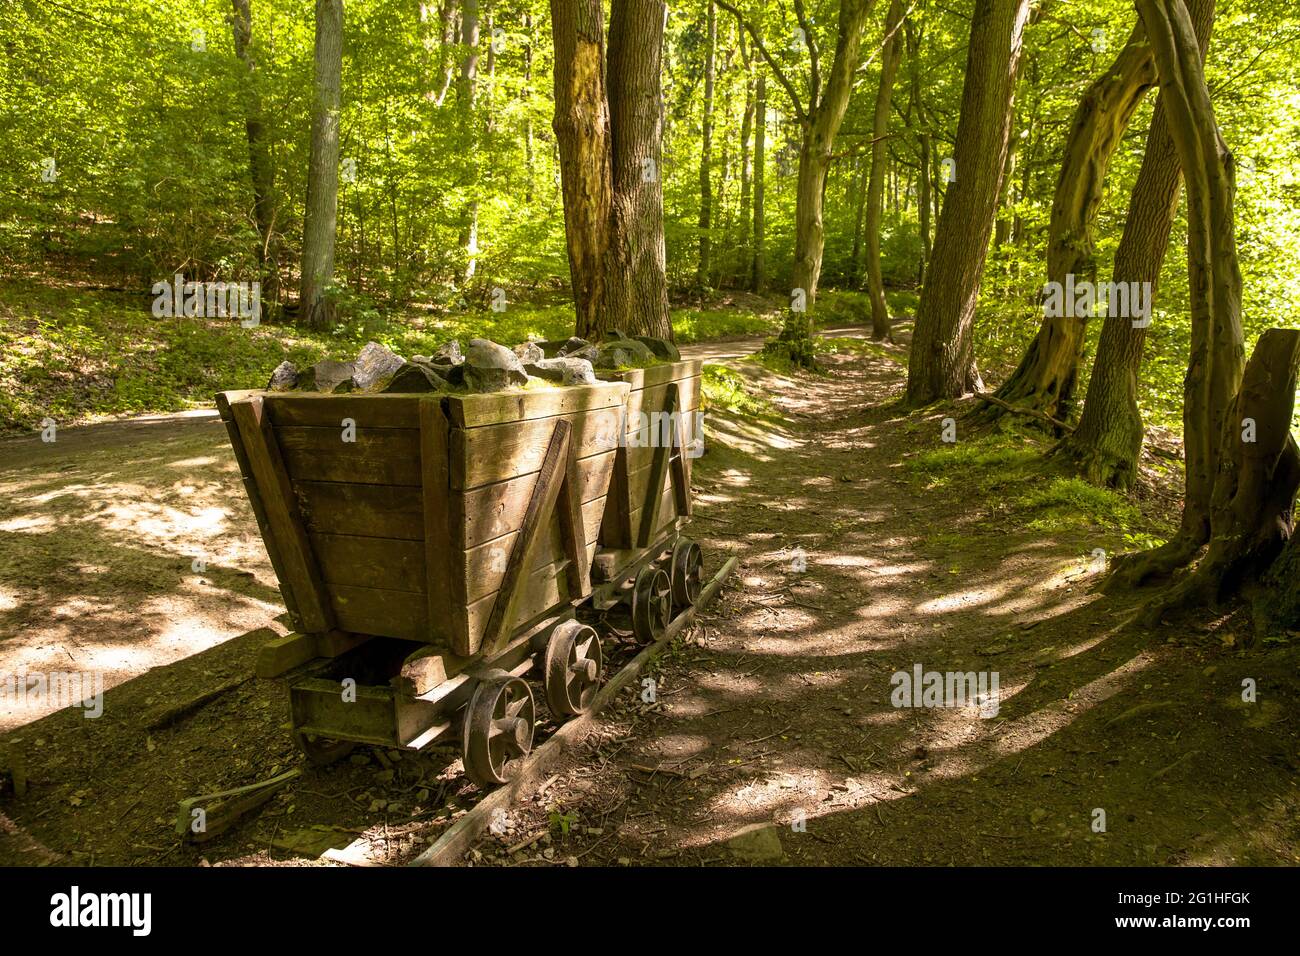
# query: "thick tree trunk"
{"points": [[583, 137], [1214, 370], [706, 151], [323, 170], [1046, 377], [757, 271], [1256, 480], [261, 168], [889, 60], [942, 362], [637, 289], [1108, 440]]}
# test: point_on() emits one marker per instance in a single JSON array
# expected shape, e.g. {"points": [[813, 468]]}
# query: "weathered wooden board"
{"points": [[492, 510], [474, 411], [544, 590], [391, 563], [382, 612], [379, 511], [655, 374], [444, 617], [283, 520], [379, 456], [485, 565], [480, 456], [651, 400], [328, 411]]}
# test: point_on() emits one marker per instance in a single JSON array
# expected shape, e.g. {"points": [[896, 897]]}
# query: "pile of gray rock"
{"points": [[483, 366]]}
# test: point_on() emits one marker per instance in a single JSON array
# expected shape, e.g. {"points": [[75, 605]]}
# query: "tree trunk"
{"points": [[1214, 370], [1046, 377], [583, 136], [942, 362], [757, 272], [636, 285], [1256, 481], [323, 170], [1108, 440], [820, 126], [746, 163], [261, 168], [889, 60], [706, 151]]}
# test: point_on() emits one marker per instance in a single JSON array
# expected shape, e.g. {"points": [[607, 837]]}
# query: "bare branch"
{"points": [[781, 78]]}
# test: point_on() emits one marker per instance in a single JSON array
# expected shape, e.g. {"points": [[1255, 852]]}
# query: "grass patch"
{"points": [[75, 355], [722, 387]]}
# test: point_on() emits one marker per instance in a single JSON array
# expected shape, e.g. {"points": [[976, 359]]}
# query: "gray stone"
{"points": [[566, 371], [414, 377], [283, 378], [327, 375], [643, 354], [662, 348], [612, 357], [490, 367], [530, 353], [374, 366], [759, 843], [578, 348], [448, 353]]}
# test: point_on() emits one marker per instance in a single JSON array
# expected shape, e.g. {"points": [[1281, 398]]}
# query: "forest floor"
{"points": [[867, 547]]}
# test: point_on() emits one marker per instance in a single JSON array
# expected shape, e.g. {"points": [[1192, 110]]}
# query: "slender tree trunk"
{"points": [[820, 127], [1214, 370], [637, 288], [583, 137], [528, 113], [942, 362], [323, 170], [1046, 377], [466, 104], [261, 168], [1108, 440], [746, 164], [757, 271], [889, 60], [857, 267], [706, 151]]}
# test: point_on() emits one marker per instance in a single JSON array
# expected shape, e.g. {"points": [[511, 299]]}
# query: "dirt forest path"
{"points": [[771, 738]]}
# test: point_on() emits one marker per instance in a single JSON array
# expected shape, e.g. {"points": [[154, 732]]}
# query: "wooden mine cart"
{"points": [[432, 549]]}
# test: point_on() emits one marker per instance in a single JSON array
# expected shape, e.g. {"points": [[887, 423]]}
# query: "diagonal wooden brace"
{"points": [[555, 474]]}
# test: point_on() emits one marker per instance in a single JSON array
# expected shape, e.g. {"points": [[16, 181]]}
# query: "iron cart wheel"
{"points": [[688, 573], [572, 668], [498, 729], [320, 751], [652, 604]]}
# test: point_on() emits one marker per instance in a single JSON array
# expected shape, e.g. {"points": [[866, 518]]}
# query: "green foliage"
{"points": [[722, 387]]}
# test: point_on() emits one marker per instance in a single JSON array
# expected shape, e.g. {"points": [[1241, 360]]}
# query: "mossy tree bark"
{"points": [[1045, 379], [1106, 445], [610, 138], [1214, 370], [582, 133], [635, 278], [942, 362]]}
